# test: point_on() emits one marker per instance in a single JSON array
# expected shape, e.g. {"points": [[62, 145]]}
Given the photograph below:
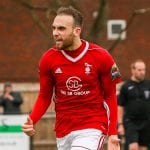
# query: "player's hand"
{"points": [[113, 142], [28, 127]]}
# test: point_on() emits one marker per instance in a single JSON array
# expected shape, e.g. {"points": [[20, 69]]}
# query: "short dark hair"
{"points": [[133, 64], [77, 16]]}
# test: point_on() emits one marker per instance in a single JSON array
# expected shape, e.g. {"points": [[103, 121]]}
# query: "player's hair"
{"points": [[133, 64], [77, 16]]}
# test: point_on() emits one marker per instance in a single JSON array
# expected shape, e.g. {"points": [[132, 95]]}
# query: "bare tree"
{"points": [[50, 9], [129, 22], [99, 22], [32, 9]]}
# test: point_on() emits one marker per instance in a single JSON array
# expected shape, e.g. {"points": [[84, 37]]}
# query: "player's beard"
{"points": [[65, 44]]}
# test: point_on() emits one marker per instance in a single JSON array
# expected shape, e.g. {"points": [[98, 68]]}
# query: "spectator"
{"points": [[134, 109], [10, 101]]}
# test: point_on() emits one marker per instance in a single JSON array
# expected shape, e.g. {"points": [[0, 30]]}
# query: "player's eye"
{"points": [[61, 28], [53, 27]]}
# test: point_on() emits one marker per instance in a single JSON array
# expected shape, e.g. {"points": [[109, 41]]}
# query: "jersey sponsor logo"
{"points": [[74, 83], [70, 93], [115, 72], [58, 70], [74, 86]]}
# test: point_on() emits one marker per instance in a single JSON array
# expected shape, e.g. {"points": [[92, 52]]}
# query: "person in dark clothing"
{"points": [[10, 101], [134, 109]]}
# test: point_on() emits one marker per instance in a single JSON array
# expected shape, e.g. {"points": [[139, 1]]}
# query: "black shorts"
{"points": [[137, 131]]}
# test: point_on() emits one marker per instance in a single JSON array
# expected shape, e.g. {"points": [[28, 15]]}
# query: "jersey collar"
{"points": [[79, 56]]}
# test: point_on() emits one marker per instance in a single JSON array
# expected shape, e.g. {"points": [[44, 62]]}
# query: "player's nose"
{"points": [[55, 32]]}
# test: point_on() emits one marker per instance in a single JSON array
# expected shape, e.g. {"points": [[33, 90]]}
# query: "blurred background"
{"points": [[25, 33], [120, 26]]}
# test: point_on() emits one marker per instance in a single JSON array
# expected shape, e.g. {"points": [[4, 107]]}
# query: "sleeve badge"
{"points": [[115, 72]]}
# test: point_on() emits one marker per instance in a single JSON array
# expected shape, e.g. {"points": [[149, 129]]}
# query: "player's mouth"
{"points": [[58, 41]]}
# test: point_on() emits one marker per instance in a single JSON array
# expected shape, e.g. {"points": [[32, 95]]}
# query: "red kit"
{"points": [[83, 82]]}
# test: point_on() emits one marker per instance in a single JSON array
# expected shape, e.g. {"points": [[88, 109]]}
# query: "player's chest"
{"points": [[74, 71]]}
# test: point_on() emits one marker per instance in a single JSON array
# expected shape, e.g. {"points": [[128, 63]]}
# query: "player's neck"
{"points": [[76, 44]]}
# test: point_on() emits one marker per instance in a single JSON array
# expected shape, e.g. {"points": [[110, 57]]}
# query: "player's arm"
{"points": [[44, 98], [111, 101], [109, 77]]}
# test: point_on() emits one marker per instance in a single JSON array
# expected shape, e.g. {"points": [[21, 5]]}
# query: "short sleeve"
{"points": [[122, 96]]}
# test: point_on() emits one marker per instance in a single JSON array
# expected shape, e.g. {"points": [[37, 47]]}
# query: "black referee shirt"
{"points": [[135, 98]]}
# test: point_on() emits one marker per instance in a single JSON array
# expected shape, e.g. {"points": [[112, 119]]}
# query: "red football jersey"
{"points": [[84, 82]]}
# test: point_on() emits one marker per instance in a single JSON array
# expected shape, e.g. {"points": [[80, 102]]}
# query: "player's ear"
{"points": [[77, 31]]}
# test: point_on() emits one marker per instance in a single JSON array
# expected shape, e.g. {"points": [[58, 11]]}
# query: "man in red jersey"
{"points": [[84, 78]]}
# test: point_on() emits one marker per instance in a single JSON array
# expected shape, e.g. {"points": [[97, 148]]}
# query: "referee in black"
{"points": [[134, 109]]}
